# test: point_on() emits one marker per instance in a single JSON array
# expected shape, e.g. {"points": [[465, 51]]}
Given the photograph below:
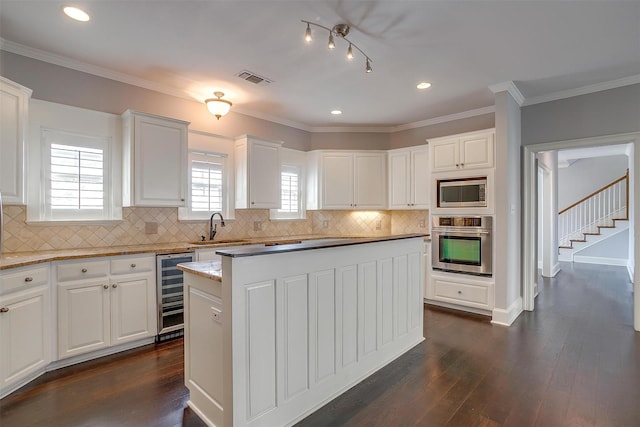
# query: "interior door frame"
{"points": [[530, 210]]}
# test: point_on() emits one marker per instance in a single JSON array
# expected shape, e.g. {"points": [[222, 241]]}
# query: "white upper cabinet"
{"points": [[257, 170], [347, 180], [409, 178], [155, 160], [14, 110], [461, 152]]}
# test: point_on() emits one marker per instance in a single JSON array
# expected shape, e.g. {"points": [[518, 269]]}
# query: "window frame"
{"points": [[51, 136], [278, 214], [187, 213]]}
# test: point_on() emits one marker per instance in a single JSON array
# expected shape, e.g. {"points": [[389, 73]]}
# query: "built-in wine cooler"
{"points": [[171, 295]]}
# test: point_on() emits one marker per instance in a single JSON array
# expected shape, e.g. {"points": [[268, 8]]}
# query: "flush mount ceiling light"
{"points": [[336, 112], [218, 106], [340, 31], [76, 13], [424, 85]]}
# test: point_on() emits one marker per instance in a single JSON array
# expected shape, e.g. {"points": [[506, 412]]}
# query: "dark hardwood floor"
{"points": [[575, 361]]}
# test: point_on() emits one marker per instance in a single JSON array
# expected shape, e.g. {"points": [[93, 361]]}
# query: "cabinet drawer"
{"points": [[23, 277], [82, 270], [463, 293], [133, 265]]}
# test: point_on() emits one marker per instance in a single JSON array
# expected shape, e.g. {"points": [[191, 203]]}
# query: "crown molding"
{"points": [[73, 64], [510, 87], [352, 129], [584, 90], [443, 119], [274, 119]]}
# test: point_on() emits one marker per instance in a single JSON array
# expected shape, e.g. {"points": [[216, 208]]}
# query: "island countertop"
{"points": [[212, 269], [262, 249]]}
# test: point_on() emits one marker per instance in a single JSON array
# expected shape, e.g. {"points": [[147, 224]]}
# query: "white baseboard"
{"points": [[458, 307], [508, 316], [601, 260], [630, 270], [555, 270]]}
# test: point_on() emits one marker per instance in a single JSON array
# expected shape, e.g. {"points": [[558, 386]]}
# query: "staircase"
{"points": [[600, 215]]}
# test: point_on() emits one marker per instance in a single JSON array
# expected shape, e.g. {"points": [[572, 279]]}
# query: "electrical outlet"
{"points": [[378, 225], [257, 225], [216, 315], [421, 224], [325, 224]]}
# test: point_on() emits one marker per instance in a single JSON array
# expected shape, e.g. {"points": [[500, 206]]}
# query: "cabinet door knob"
{"points": [[84, 270], [28, 279], [182, 200], [253, 203], [461, 165], [133, 266], [105, 286], [115, 285], [459, 292], [4, 309]]}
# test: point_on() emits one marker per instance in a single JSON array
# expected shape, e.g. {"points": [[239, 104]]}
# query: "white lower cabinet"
{"points": [[24, 327], [116, 307], [25, 330], [461, 290]]}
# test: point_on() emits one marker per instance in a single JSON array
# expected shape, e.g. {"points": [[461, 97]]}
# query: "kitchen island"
{"points": [[272, 333]]}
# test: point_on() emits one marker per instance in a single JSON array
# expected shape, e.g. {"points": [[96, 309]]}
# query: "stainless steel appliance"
{"points": [[462, 244], [170, 294], [462, 193]]}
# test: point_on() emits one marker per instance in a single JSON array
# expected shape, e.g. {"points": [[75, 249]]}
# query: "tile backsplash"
{"points": [[141, 226]]}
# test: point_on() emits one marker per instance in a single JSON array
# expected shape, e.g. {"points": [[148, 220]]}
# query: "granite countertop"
{"points": [[213, 269], [21, 259], [207, 269], [262, 249]]}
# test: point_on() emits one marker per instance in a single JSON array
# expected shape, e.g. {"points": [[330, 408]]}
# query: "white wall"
{"points": [[588, 175], [615, 247]]}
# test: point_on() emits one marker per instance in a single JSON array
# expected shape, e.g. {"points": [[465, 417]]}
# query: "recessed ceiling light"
{"points": [[336, 112], [76, 13], [424, 85]]}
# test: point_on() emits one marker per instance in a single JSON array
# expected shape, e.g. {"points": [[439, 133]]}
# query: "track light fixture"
{"points": [[341, 31]]}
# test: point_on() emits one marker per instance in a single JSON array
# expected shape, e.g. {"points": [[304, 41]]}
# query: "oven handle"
{"points": [[454, 232]]}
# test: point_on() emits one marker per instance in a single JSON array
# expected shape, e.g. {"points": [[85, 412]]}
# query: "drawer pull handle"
{"points": [[133, 266], [115, 285], [28, 279], [459, 292], [105, 286], [84, 270], [4, 309]]}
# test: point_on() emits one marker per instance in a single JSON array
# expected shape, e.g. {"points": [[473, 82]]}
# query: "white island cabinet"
{"points": [[280, 331]]}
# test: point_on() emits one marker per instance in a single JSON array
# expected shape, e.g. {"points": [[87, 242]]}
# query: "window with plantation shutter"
{"points": [[207, 185], [76, 177], [290, 194]]}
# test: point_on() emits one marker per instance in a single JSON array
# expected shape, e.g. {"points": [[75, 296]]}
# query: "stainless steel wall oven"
{"points": [[462, 244]]}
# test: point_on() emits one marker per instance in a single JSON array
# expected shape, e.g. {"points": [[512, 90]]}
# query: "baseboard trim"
{"points": [[458, 307], [508, 316], [630, 269], [601, 260], [555, 270]]}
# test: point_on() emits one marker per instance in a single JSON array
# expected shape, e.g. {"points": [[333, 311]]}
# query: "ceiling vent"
{"points": [[253, 77]]}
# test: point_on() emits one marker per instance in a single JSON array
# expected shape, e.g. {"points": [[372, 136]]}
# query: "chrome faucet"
{"points": [[213, 228]]}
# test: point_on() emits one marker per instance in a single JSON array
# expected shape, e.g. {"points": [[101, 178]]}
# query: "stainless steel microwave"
{"points": [[462, 193]]}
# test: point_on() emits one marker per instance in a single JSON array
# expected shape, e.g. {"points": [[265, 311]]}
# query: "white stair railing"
{"points": [[597, 209]]}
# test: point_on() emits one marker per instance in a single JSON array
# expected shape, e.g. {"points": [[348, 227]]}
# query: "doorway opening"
{"points": [[531, 210]]}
